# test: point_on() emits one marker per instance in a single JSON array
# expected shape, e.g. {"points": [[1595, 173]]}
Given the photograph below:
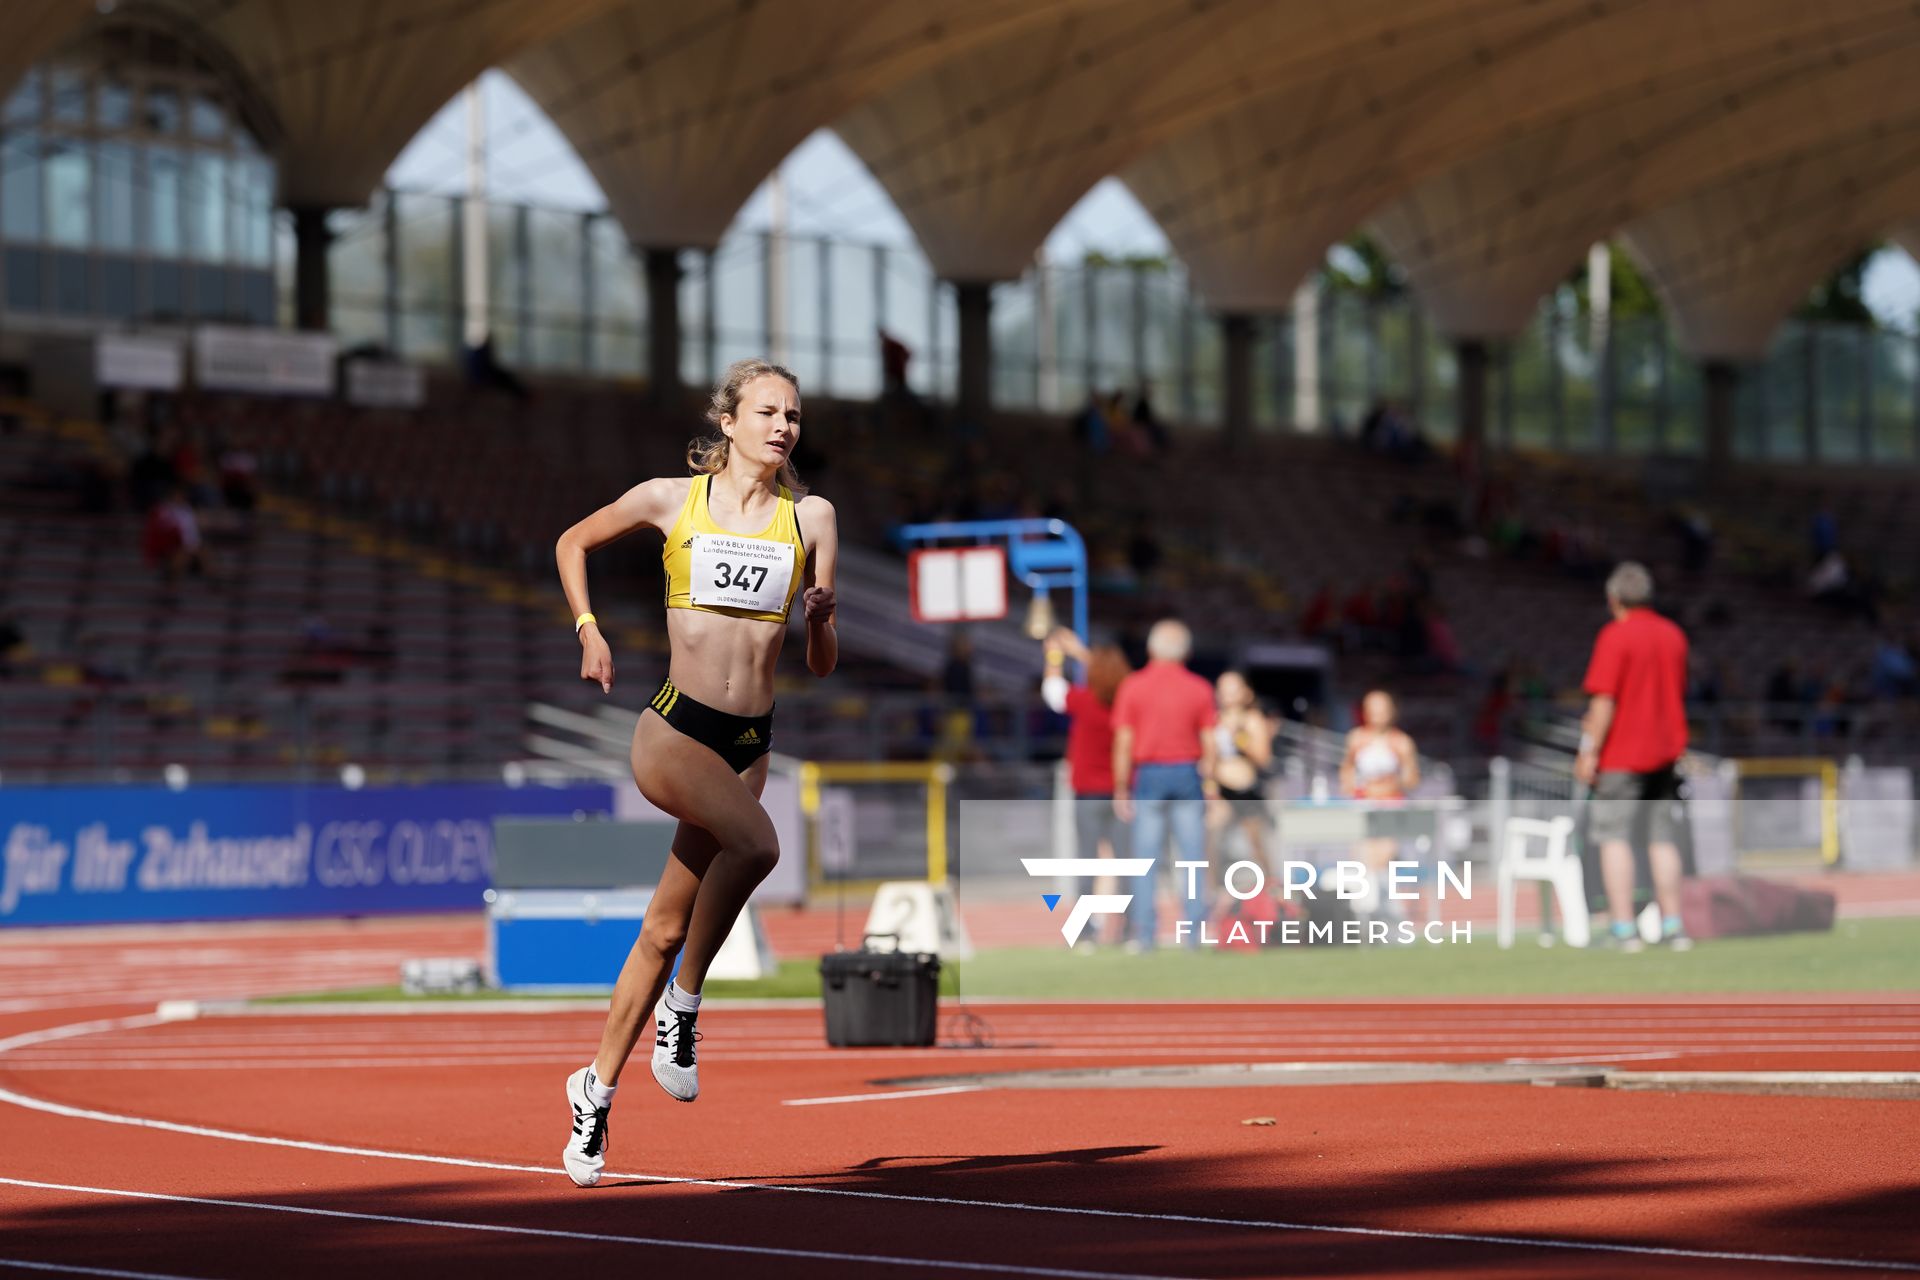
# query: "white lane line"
{"points": [[1583, 1059], [170, 1042], [1518, 1242], [240, 1060], [882, 1097], [602, 1237], [73, 1030], [72, 1270], [167, 1046]]}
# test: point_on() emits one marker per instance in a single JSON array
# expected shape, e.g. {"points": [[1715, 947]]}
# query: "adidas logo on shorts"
{"points": [[747, 739]]}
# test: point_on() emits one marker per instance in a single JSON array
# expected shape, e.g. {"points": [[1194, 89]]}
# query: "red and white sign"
{"points": [[958, 584]]}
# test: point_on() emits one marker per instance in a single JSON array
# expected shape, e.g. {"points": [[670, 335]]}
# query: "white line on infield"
{"points": [[1186, 1219], [601, 1237], [63, 1268], [881, 1097]]}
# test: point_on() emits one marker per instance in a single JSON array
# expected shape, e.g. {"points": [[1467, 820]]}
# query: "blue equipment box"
{"points": [[561, 939]]}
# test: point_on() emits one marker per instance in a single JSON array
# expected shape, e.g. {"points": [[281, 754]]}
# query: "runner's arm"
{"points": [[823, 642], [648, 504]]}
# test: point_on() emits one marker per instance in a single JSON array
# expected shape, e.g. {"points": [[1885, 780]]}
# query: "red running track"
{"points": [[428, 1144]]}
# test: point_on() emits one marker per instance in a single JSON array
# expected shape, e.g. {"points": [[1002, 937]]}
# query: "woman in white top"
{"points": [[1381, 766]]}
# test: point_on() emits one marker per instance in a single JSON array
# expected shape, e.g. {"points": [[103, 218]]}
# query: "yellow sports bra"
{"points": [[739, 575]]}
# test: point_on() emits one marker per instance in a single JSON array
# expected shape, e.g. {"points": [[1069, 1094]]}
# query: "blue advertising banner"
{"points": [[97, 855]]}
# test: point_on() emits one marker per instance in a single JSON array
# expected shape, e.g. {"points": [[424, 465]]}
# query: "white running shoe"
{"points": [[586, 1152], [673, 1056]]}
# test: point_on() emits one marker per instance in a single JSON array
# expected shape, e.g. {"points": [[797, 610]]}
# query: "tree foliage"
{"points": [[1842, 295]]}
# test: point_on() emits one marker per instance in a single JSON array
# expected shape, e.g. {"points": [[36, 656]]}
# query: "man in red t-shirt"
{"points": [[1633, 736], [1163, 757]]}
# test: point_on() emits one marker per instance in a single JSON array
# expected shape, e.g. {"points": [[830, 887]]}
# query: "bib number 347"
{"points": [[741, 573], [747, 577]]}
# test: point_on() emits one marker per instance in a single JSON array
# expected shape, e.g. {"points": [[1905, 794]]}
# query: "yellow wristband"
{"points": [[582, 621]]}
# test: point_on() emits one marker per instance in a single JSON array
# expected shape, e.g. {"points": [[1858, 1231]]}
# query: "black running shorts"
{"points": [[739, 740]]}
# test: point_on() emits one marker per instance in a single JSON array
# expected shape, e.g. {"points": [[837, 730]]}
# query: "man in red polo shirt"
{"points": [[1633, 736], [1163, 756]]}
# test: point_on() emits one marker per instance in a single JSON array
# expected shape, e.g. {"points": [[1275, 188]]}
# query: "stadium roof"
{"points": [[1739, 148]]}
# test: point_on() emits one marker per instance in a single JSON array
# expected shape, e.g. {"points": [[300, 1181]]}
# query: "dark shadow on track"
{"points": [[1678, 1203]]}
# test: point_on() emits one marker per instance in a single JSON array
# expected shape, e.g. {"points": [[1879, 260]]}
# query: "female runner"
{"points": [[741, 540], [1381, 766], [1245, 738]]}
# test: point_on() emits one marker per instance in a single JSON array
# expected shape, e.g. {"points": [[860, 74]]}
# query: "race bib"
{"points": [[741, 573]]}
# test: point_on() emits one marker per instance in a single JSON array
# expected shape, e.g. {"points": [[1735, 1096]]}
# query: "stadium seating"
{"points": [[393, 600]]}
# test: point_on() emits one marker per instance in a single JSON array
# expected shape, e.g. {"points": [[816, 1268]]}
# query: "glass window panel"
{"points": [[283, 265], [1385, 361], [356, 271], [165, 179], [20, 212], [1344, 339], [697, 366], [908, 282], [239, 210], [257, 298], [67, 95], [739, 279], [265, 178], [1272, 372], [1531, 383], [1165, 296], [163, 110], [1439, 392], [1783, 392], [113, 185], [425, 226], [207, 206], [210, 297], [945, 346], [23, 104], [1014, 383], [1209, 365], [504, 273], [113, 103], [70, 280], [1895, 357], [208, 120], [1066, 297], [803, 312], [559, 298], [1577, 370], [69, 172], [1113, 318], [1636, 383], [1844, 351], [1686, 401], [856, 344], [164, 290], [24, 268], [619, 301], [116, 288]]}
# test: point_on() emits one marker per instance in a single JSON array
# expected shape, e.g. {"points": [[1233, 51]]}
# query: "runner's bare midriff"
{"points": [[725, 662]]}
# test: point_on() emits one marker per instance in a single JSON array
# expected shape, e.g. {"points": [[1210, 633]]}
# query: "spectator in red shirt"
{"points": [[1163, 759], [1088, 707], [1631, 741]]}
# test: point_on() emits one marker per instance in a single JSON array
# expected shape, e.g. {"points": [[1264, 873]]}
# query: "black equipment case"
{"points": [[880, 998]]}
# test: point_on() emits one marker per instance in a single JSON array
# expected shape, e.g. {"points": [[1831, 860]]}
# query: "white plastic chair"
{"points": [[1542, 850]]}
